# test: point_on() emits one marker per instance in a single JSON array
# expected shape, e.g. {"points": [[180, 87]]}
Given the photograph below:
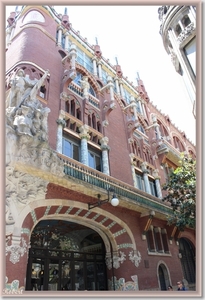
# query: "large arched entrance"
{"points": [[65, 256], [187, 253]]}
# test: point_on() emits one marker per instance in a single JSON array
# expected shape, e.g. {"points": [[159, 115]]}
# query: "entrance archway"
{"points": [[187, 251], [66, 256], [163, 277]]}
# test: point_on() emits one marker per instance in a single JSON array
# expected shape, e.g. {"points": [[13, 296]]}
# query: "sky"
{"points": [[131, 33]]}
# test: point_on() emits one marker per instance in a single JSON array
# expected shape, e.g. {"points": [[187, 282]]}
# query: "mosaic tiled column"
{"points": [[84, 135], [117, 85], [134, 108], [157, 183], [156, 125], [121, 89], [145, 177], [111, 86], [100, 69], [60, 31], [105, 161], [61, 123], [67, 41]]}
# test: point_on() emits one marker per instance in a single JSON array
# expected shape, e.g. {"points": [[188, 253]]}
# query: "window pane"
{"points": [[67, 148], [70, 149], [91, 160], [77, 78], [139, 182], [190, 51], [75, 152], [153, 188], [98, 163]]}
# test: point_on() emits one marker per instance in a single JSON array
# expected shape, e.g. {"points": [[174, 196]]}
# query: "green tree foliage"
{"points": [[181, 189]]}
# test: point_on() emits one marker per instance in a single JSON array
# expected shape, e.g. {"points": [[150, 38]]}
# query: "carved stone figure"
{"points": [[23, 120], [85, 86], [20, 88]]}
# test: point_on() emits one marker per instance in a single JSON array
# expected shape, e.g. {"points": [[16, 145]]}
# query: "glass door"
{"points": [[65, 275], [53, 279]]}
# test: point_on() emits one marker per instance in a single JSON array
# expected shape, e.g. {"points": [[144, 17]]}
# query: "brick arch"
{"points": [[106, 224], [189, 237], [175, 135]]}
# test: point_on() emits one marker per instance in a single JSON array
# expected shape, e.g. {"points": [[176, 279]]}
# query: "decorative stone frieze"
{"points": [[135, 257], [115, 260]]}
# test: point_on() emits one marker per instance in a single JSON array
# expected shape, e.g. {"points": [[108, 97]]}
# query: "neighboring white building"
{"points": [[178, 30]]}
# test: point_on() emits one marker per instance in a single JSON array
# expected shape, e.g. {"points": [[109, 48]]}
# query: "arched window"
{"points": [[178, 144], [93, 121], [73, 108], [163, 130], [43, 91], [178, 30], [186, 21]]}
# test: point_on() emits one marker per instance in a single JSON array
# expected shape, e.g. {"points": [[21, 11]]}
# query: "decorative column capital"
{"points": [[64, 96], [84, 132], [104, 143], [61, 122], [155, 173], [132, 159], [99, 62], [139, 98], [60, 27], [144, 167], [94, 58], [105, 123]]}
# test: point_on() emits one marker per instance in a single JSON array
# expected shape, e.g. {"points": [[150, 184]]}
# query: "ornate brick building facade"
{"points": [[86, 155]]}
